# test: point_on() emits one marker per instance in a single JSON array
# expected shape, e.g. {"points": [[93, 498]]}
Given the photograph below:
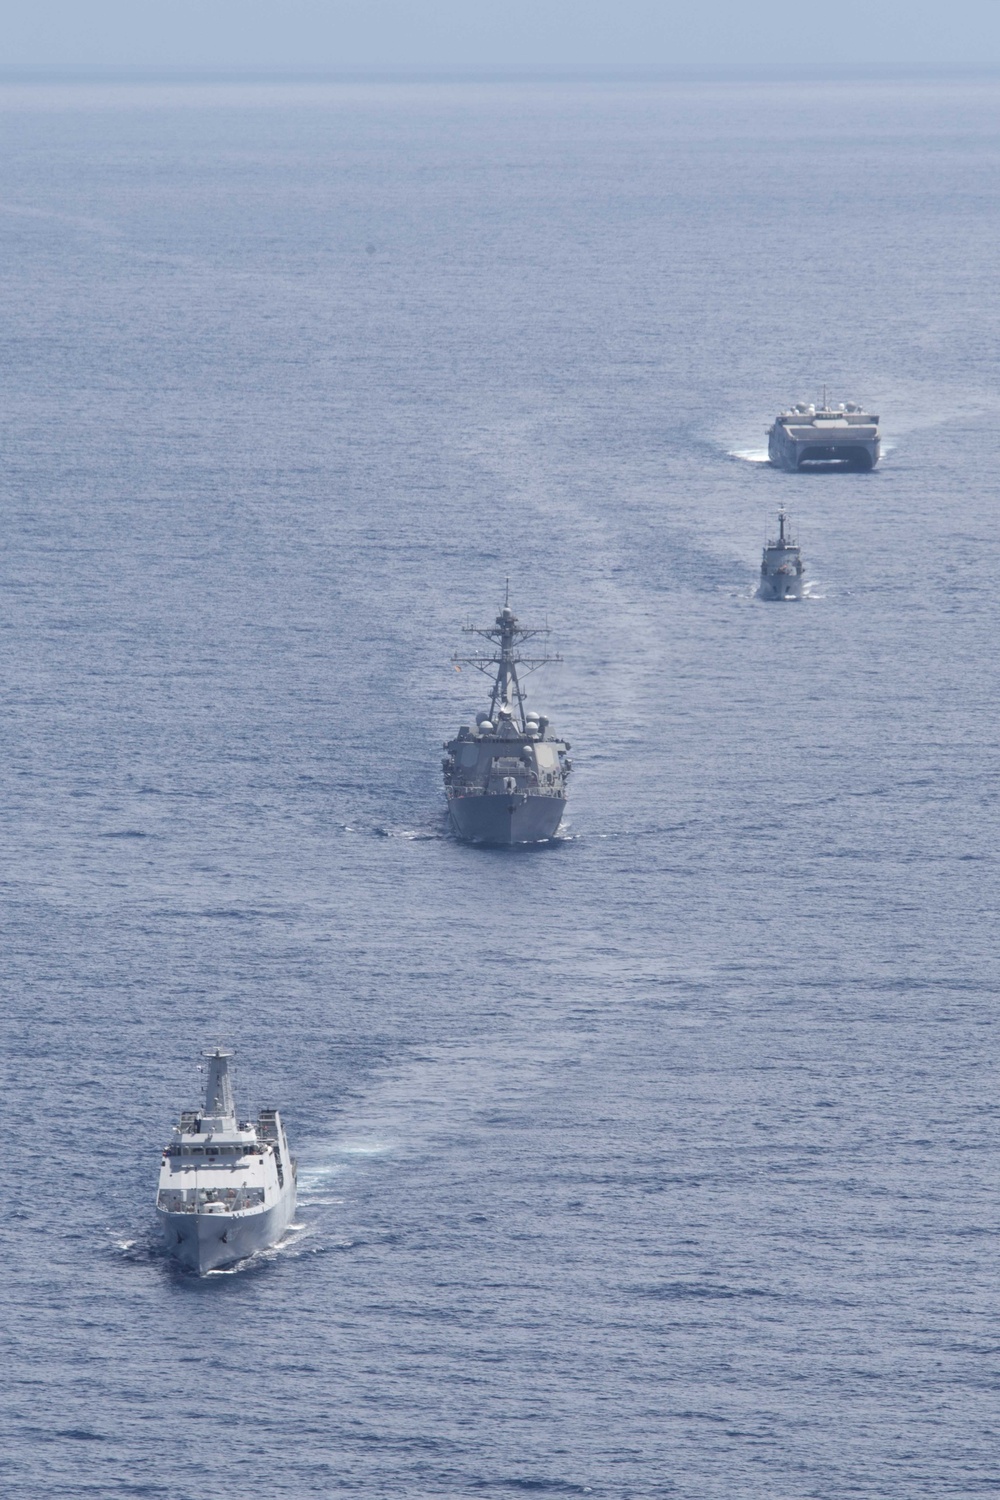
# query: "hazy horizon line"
{"points": [[719, 73]]}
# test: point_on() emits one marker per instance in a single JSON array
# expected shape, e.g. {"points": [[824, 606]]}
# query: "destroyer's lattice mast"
{"points": [[502, 665]]}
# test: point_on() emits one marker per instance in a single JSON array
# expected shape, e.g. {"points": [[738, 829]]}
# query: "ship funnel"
{"points": [[219, 1089]]}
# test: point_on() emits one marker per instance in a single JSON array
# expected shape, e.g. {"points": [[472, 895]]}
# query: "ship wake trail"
{"points": [[749, 455], [409, 835]]}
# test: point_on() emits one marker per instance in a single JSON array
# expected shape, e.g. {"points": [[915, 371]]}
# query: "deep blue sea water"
{"points": [[658, 1162]]}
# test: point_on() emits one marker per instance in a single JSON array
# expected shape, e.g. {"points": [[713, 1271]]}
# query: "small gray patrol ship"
{"points": [[227, 1188], [505, 780], [824, 437], [781, 566]]}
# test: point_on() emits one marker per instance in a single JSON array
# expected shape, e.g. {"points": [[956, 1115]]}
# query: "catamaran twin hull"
{"points": [[825, 437]]}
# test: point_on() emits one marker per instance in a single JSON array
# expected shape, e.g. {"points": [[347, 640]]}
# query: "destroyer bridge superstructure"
{"points": [[505, 780], [824, 437], [227, 1188], [781, 567]]}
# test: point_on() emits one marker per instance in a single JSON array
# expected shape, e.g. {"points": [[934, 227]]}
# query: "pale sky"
{"points": [[424, 36]]}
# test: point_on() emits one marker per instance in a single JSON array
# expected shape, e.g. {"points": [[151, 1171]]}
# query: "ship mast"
{"points": [[219, 1089], [507, 635]]}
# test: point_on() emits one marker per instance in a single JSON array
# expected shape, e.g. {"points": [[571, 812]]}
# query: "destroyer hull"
{"points": [[204, 1242], [506, 818]]}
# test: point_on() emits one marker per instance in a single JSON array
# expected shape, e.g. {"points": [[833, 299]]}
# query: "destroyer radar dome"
{"points": [[486, 727], [481, 718]]}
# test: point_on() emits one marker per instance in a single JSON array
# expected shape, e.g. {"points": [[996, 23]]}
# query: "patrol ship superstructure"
{"points": [[781, 567], [835, 437], [505, 780], [227, 1187]]}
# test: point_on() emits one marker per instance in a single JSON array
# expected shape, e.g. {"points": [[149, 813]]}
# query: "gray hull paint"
{"points": [[789, 450], [206, 1242], [505, 819], [856, 456], [780, 588]]}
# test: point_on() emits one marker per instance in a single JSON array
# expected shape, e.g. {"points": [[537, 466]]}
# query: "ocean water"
{"points": [[660, 1161]]}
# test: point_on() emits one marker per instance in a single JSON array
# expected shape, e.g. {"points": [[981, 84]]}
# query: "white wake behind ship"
{"points": [[227, 1188]]}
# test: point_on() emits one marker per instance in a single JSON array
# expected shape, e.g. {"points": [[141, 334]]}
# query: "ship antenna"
{"points": [[507, 634], [506, 592]]}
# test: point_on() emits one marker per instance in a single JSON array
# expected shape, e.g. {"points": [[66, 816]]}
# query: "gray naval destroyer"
{"points": [[505, 780], [227, 1188], [781, 566], [824, 437]]}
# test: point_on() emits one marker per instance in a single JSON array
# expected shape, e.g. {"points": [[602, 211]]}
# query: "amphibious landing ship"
{"points": [[505, 780], [831, 437], [226, 1188]]}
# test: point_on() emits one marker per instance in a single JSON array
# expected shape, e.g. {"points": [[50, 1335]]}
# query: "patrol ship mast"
{"points": [[506, 781]]}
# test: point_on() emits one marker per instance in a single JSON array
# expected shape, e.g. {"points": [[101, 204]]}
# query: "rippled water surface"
{"points": [[660, 1161]]}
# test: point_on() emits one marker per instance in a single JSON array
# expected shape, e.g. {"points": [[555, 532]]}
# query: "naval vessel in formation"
{"points": [[227, 1188], [781, 566], [831, 437], [505, 780]]}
